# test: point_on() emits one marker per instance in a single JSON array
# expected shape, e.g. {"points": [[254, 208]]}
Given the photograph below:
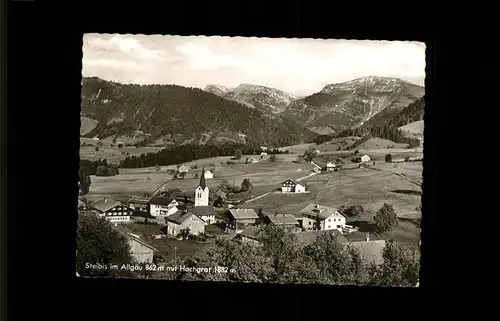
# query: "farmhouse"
{"points": [[263, 148], [249, 235], [163, 206], [140, 204], [239, 218], [201, 192], [292, 186], [112, 210], [365, 158], [184, 219], [330, 218], [286, 221], [263, 154], [140, 250], [331, 166], [309, 237], [209, 174], [251, 160], [182, 169], [206, 213]]}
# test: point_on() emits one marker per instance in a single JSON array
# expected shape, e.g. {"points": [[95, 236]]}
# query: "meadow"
{"points": [[264, 176]]}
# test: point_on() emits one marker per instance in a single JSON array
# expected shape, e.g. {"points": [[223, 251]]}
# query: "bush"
{"points": [[120, 145], [238, 154], [388, 158], [272, 158]]}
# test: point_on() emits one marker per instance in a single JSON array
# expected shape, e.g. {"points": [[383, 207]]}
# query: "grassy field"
{"points": [[365, 187], [112, 154]]}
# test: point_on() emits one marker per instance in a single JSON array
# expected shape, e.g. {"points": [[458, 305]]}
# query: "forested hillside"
{"points": [[178, 115]]}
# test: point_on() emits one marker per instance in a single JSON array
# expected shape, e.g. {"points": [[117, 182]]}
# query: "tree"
{"points": [[246, 185], [260, 213], [386, 218], [184, 233], [317, 222], [353, 210], [310, 153], [101, 171], [272, 158], [98, 242], [337, 263], [388, 158], [356, 152], [400, 268], [238, 154], [97, 148], [196, 175], [182, 175], [114, 140], [120, 145]]}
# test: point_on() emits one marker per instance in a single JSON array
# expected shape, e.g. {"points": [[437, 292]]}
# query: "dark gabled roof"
{"points": [[323, 211], [371, 251], [217, 193], [104, 204], [179, 217], [282, 219], [291, 180], [139, 200], [252, 232], [160, 200], [202, 183], [309, 237], [202, 210], [131, 236], [243, 213]]}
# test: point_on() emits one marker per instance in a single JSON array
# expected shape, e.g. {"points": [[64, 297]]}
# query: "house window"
{"points": [[310, 223], [339, 226], [329, 226], [329, 220]]}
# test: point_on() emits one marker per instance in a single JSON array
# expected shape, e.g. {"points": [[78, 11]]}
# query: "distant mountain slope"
{"points": [[390, 128], [86, 125], [266, 99], [180, 115], [217, 90], [353, 103]]}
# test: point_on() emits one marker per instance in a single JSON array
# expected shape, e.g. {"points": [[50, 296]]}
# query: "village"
{"points": [[173, 221]]}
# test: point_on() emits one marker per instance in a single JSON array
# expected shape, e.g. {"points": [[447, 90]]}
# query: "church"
{"points": [[201, 199], [201, 193]]}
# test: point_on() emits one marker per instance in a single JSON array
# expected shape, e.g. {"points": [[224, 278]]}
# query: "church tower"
{"points": [[201, 192]]}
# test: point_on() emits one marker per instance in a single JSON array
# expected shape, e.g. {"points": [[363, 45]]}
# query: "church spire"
{"points": [[202, 179]]}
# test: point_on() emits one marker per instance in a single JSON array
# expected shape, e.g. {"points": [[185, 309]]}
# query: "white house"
{"points": [[209, 174], [365, 158], [162, 206], [263, 154], [330, 167], [251, 160], [292, 186], [184, 220], [206, 213], [95, 138], [330, 218], [201, 193], [183, 169]]}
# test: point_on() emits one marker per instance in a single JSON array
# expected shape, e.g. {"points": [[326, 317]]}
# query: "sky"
{"points": [[297, 66]]}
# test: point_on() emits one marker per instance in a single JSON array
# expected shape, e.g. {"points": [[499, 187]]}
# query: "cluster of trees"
{"points": [[386, 218], [98, 167], [280, 259], [162, 110], [187, 153], [225, 186]]}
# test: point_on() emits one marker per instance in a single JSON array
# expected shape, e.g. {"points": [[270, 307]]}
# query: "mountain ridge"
{"points": [[172, 114]]}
